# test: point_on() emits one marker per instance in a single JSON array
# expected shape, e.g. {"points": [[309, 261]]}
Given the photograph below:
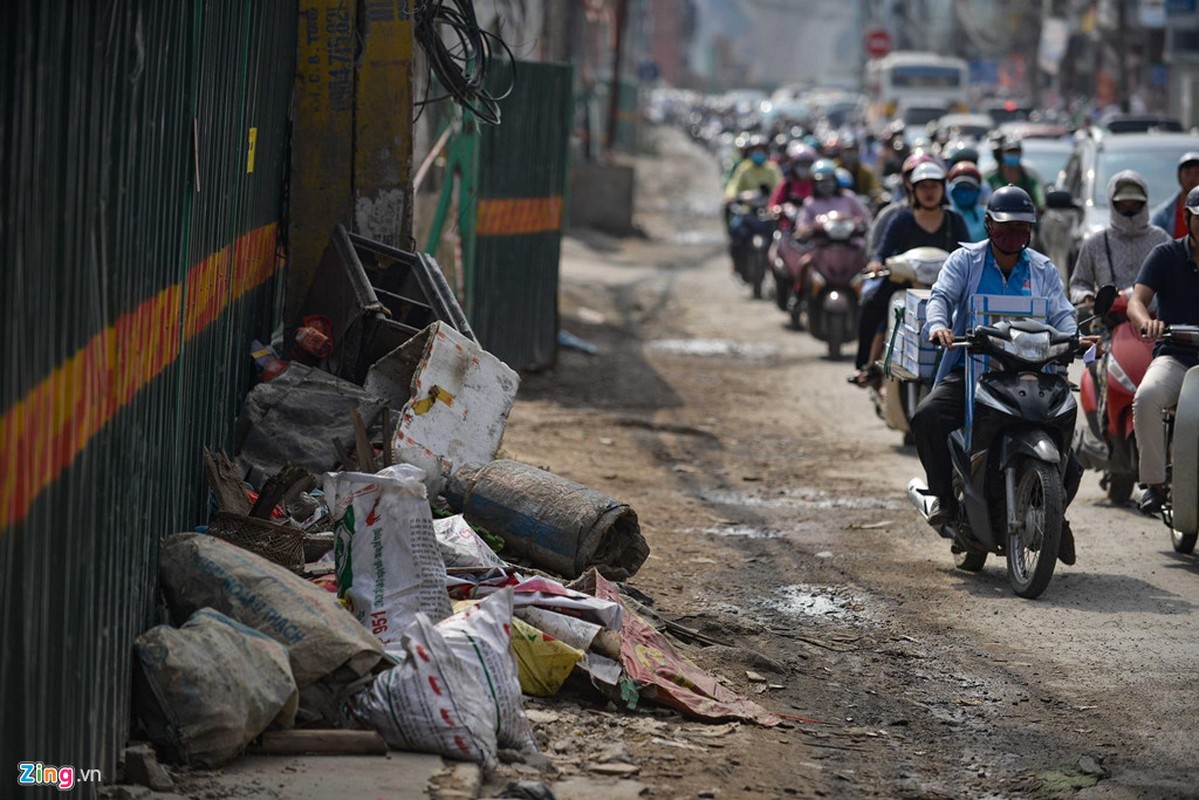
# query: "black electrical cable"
{"points": [[461, 66]]}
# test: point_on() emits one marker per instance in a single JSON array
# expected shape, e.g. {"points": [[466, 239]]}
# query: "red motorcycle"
{"points": [[1108, 443], [829, 282], [786, 257]]}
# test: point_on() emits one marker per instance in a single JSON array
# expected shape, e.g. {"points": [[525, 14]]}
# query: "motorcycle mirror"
{"points": [[1104, 299]]}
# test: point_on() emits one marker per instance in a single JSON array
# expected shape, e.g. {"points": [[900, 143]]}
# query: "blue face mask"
{"points": [[1011, 159], [758, 158], [965, 196]]}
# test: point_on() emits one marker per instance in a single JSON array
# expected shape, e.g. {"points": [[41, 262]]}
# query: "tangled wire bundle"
{"points": [[460, 53]]}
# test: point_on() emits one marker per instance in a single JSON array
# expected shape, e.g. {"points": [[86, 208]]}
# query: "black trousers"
{"points": [[941, 413], [873, 318]]}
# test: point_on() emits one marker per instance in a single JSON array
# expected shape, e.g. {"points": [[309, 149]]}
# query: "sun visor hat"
{"points": [[927, 172], [1129, 190], [1192, 201]]}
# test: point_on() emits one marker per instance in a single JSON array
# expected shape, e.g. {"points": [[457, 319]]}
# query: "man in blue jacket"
{"points": [[1169, 216], [1001, 264]]}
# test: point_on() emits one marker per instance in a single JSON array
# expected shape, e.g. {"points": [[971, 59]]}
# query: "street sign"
{"points": [[878, 42]]}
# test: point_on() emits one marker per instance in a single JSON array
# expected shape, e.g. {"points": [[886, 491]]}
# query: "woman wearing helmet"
{"points": [[927, 223], [965, 196], [797, 183], [1002, 264], [828, 196], [875, 234]]}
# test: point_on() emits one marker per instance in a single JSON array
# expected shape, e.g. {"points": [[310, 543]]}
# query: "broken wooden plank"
{"points": [[225, 480]]}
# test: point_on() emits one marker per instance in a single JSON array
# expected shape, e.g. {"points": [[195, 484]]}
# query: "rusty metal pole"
{"points": [[383, 123], [622, 13]]}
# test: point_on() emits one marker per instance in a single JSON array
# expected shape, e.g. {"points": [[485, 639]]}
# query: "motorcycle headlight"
{"points": [[840, 229], [1033, 347], [927, 271]]}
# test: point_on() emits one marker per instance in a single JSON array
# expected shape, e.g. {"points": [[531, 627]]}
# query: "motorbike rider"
{"points": [[1114, 254], [928, 223], [1003, 264], [965, 196], [883, 217], [1169, 215], [865, 182], [1171, 275], [827, 196], [754, 172], [1010, 169], [797, 185]]}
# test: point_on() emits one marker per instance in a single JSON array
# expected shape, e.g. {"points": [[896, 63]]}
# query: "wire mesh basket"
{"points": [[280, 544]]}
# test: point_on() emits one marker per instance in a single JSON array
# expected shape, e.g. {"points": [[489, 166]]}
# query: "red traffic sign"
{"points": [[878, 43]]}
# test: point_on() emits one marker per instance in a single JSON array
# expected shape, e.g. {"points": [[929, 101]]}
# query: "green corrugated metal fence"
{"points": [[138, 254], [512, 281]]}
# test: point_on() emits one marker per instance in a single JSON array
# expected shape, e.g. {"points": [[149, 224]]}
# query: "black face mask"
{"points": [[1130, 214]]}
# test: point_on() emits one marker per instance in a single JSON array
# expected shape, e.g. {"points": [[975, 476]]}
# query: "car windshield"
{"points": [[1046, 157], [921, 115], [1159, 167]]}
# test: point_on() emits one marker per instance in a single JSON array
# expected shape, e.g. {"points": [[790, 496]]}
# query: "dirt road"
{"points": [[773, 499]]}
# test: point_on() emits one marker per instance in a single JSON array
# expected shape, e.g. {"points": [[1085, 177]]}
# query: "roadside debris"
{"points": [[555, 523]]}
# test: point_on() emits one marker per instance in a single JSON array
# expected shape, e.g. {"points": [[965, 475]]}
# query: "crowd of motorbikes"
{"points": [[1012, 461]]}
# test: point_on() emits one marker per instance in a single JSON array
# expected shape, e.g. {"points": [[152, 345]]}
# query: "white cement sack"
{"points": [[481, 636], [213, 685], [198, 571], [432, 702], [388, 563], [462, 547]]}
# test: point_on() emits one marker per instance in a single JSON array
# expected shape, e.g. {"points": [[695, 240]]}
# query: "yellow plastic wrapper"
{"points": [[543, 662]]}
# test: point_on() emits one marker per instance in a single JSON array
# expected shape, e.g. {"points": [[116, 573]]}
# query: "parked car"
{"points": [[1077, 203]]}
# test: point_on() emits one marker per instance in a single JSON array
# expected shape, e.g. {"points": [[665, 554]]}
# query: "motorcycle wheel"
{"points": [[796, 312], [967, 560], [1032, 551], [758, 271], [1119, 488], [1183, 542], [834, 340], [782, 292]]}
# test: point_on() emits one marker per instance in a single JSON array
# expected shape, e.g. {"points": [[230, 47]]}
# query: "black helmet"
{"points": [[958, 152], [1011, 204]]}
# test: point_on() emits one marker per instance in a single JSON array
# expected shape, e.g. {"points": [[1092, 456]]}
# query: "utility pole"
{"points": [[622, 13]]}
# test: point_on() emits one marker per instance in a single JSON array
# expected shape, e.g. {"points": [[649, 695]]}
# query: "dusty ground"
{"points": [[774, 502]]}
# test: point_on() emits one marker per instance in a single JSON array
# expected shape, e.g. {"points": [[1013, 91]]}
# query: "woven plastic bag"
{"points": [[432, 702], [212, 686], [388, 563]]}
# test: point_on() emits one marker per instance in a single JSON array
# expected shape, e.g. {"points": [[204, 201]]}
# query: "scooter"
{"points": [[1180, 512], [830, 281], [1010, 461], [902, 389], [751, 230], [1108, 443], [786, 257]]}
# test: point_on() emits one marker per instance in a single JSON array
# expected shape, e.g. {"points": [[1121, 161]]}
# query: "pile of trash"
{"points": [[371, 573]]}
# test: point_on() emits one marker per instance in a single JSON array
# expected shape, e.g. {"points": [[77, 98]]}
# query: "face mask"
{"points": [[758, 158], [1130, 213], [965, 196], [802, 173], [1009, 241], [1011, 159]]}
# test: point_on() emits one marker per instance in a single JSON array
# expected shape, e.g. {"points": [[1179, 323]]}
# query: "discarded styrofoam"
{"points": [[455, 396]]}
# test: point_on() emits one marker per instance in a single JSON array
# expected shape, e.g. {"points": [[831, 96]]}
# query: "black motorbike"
{"points": [[1010, 466]]}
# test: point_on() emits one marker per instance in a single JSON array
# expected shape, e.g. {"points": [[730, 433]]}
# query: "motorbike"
{"points": [[1010, 460], [786, 258], [830, 279], [1181, 509], [751, 230], [1107, 442], [902, 391]]}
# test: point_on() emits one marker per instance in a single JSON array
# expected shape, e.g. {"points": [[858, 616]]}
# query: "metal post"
{"points": [[622, 12]]}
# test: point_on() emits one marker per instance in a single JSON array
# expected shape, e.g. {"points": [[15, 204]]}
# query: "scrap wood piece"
{"points": [[278, 487], [225, 480], [322, 742], [364, 449]]}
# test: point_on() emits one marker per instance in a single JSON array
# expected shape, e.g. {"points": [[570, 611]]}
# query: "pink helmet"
{"points": [[915, 160]]}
